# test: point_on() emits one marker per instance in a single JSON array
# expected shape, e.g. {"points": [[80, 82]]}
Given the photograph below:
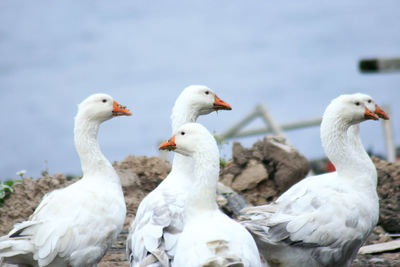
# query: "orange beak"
{"points": [[382, 114], [221, 104], [120, 110], [369, 115], [168, 145]]}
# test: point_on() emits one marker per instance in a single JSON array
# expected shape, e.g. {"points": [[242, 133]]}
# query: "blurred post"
{"points": [[389, 136], [375, 65]]}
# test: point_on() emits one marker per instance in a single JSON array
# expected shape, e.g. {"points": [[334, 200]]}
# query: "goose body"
{"points": [[323, 220], [209, 237], [76, 225], [159, 219]]}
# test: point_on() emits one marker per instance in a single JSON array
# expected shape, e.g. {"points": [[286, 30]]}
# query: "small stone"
{"points": [[377, 260], [221, 201], [227, 179], [232, 167], [254, 173], [240, 154], [288, 164]]}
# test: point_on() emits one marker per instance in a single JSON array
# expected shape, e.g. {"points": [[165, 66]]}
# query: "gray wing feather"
{"points": [[306, 225], [155, 230]]}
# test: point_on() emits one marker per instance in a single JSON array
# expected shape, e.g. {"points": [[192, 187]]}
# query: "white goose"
{"points": [[159, 219], [209, 237], [323, 220], [76, 225]]}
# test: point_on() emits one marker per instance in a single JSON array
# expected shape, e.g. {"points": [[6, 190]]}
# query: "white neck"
{"points": [[344, 149], [206, 172], [354, 136], [93, 162], [181, 114]]}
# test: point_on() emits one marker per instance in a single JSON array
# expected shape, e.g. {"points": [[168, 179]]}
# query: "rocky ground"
{"points": [[258, 175]]}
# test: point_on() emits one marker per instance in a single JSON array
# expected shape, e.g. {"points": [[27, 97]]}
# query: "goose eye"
{"points": [[104, 100], [369, 101], [357, 103], [182, 133], [207, 92]]}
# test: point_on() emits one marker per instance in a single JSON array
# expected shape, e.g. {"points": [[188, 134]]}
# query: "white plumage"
{"points": [[323, 220], [209, 237], [75, 226], [158, 223]]}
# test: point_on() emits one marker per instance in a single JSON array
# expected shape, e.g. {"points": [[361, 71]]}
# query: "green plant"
{"points": [[5, 189], [221, 142], [222, 162], [6, 186]]}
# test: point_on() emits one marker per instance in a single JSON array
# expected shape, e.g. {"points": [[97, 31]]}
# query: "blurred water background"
{"points": [[292, 56]]}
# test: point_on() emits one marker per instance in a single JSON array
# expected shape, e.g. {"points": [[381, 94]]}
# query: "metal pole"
{"points": [[276, 129], [284, 127], [231, 132]]}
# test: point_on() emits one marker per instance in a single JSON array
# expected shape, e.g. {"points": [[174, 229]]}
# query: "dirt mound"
{"points": [[389, 194], [26, 197]]}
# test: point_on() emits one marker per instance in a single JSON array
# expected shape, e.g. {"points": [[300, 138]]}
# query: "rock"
{"points": [[227, 178], [283, 161], [252, 175], [263, 172], [240, 155], [229, 201], [389, 194], [378, 235], [232, 168], [221, 201]]}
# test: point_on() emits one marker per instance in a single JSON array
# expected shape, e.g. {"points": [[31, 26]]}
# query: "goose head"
{"points": [[201, 100], [101, 107], [372, 106], [189, 139], [351, 109]]}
